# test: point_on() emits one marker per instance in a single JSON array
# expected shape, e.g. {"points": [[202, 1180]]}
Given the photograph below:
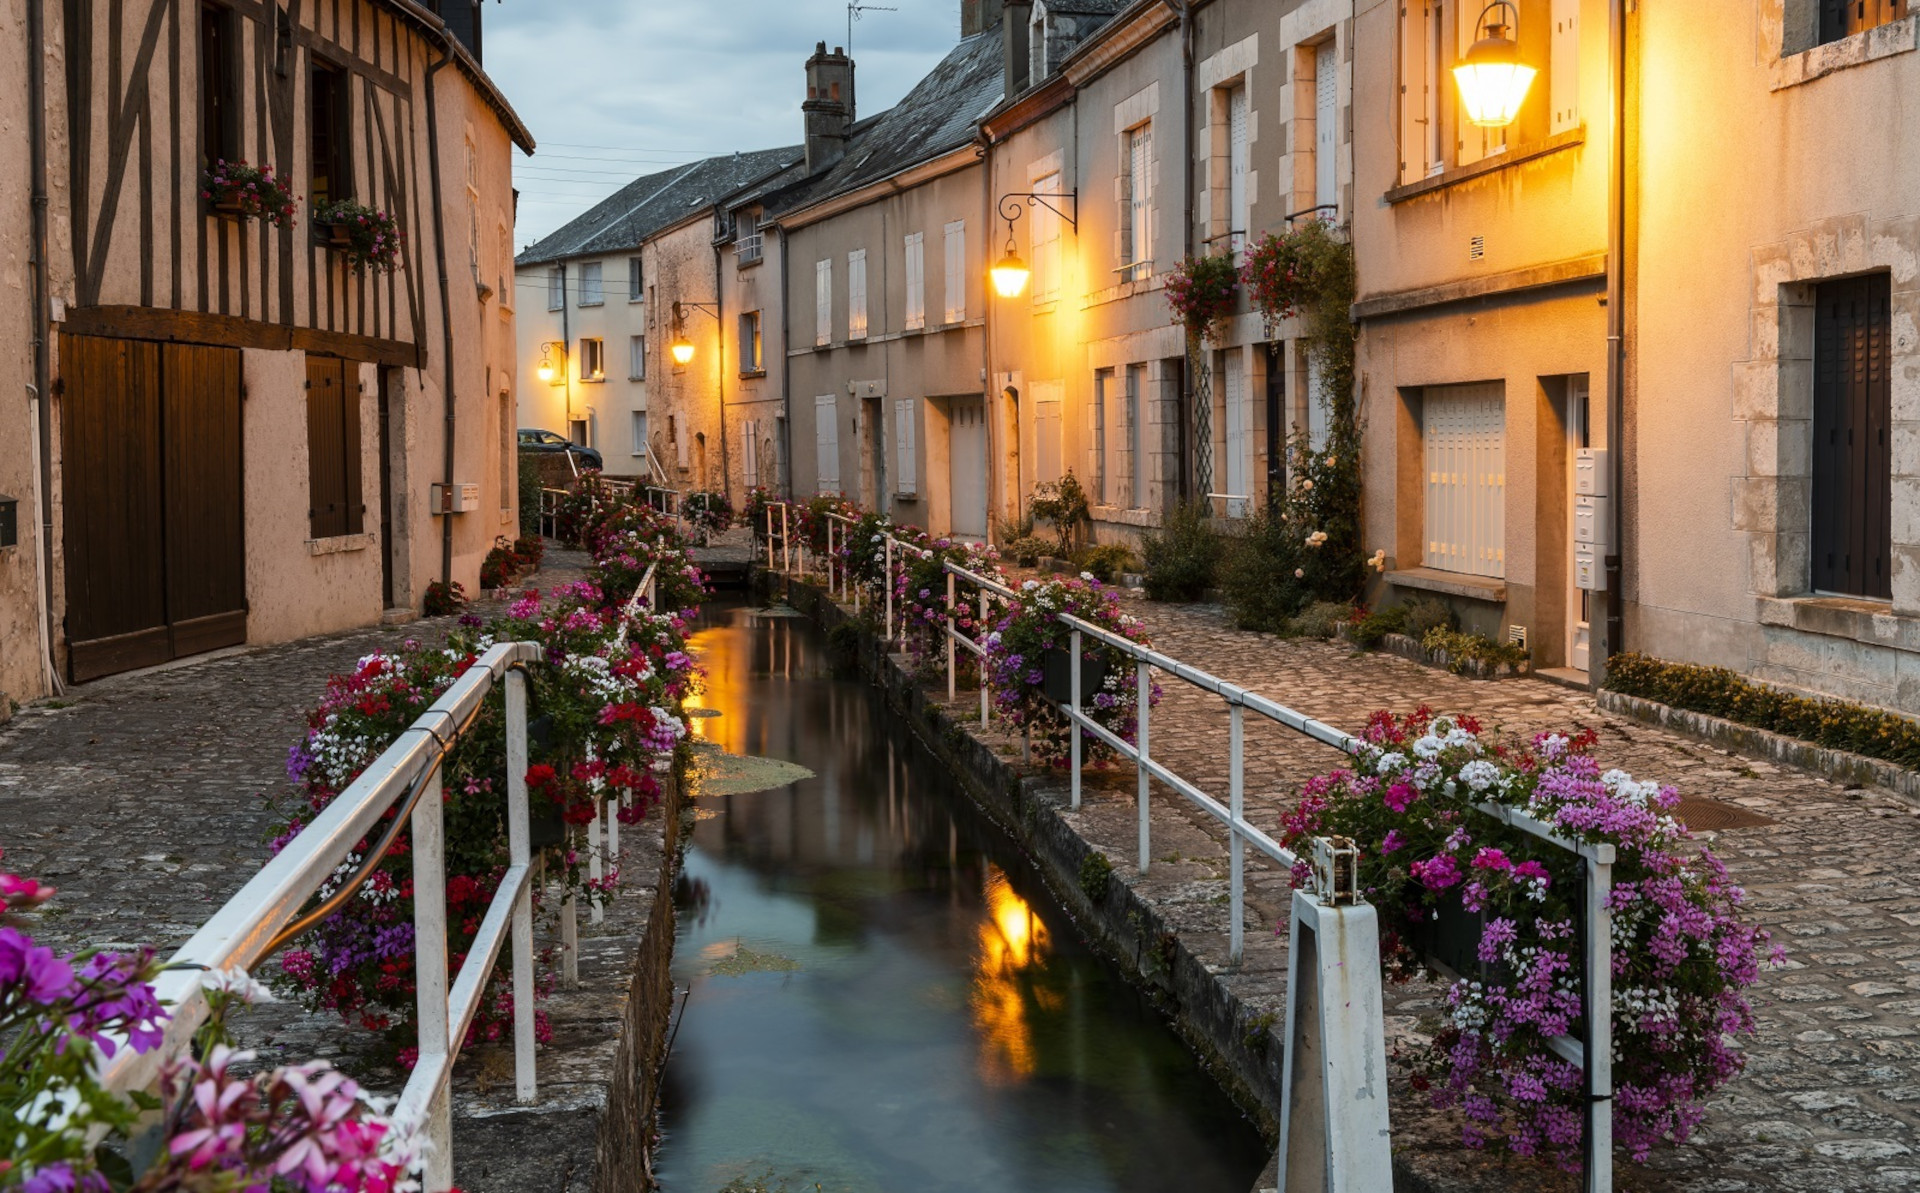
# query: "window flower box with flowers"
{"points": [[1502, 910], [236, 190], [1202, 292], [365, 237]]}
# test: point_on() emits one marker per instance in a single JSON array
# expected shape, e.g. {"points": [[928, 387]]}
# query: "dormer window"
{"points": [[1037, 55]]}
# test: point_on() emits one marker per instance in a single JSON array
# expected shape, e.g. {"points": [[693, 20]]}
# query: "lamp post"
{"points": [[1010, 273], [1492, 78]]}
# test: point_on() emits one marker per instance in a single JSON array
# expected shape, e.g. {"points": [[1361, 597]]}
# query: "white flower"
{"points": [[1379, 561], [1299, 573], [1388, 763], [1088, 576], [1428, 747], [1029, 585], [1306, 484], [1479, 774], [236, 981]]}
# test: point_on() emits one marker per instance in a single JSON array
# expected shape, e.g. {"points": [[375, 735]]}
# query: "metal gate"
{"points": [[153, 519]]}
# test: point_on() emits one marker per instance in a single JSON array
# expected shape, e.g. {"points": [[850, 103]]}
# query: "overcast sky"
{"points": [[614, 89]]}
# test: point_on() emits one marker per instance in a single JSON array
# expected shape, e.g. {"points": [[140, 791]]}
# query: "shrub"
{"points": [[1095, 873], [1106, 561], [1319, 619], [1464, 650], [1367, 632], [1063, 503], [1008, 529], [530, 486], [1182, 556], [444, 597], [1258, 577], [1426, 614], [1719, 692], [1027, 550]]}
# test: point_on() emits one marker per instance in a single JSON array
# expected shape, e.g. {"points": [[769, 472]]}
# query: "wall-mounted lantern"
{"points": [[681, 348], [1010, 273], [546, 370], [1493, 80]]}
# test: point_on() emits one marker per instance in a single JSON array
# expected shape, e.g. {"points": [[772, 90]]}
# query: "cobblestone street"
{"points": [[1832, 1091]]}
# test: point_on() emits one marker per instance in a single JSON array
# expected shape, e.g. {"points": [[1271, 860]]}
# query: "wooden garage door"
{"points": [[151, 484]]}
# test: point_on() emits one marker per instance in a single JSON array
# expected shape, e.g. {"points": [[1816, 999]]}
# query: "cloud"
{"points": [[613, 89]]}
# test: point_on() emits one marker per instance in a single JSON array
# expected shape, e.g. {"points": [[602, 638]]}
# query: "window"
{"points": [[750, 450], [592, 293], [579, 432], [857, 294], [826, 442], [1844, 18], [1137, 435], [335, 505], [750, 362], [747, 238], [957, 271], [1464, 440], [916, 281], [1097, 483], [636, 282], [1136, 204], [328, 128], [506, 450], [1424, 43], [1852, 421], [556, 287], [823, 303], [219, 99], [593, 359], [1045, 242], [1434, 132], [637, 420], [1237, 167], [905, 411], [637, 357]]}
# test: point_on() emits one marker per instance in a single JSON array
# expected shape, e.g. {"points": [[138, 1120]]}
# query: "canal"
{"points": [[883, 995]]}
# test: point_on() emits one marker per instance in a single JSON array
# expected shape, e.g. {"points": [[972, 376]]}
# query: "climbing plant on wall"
{"points": [[1202, 291]]}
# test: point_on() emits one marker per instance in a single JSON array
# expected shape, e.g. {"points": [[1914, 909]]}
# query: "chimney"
{"points": [[828, 109], [1014, 24], [978, 16]]}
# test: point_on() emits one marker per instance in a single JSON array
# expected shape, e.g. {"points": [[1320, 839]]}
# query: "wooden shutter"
{"points": [[1464, 436], [1563, 67], [750, 441], [326, 450], [1140, 196], [823, 302], [916, 281], [1238, 477], [956, 279], [1326, 124], [1852, 461], [908, 470], [1046, 430], [1097, 440], [857, 294], [1237, 166], [826, 432]]}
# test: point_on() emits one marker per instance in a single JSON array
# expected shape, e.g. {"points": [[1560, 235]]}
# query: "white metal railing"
{"points": [[748, 248], [664, 500], [1595, 1057], [777, 532], [406, 776], [1233, 505], [550, 500]]}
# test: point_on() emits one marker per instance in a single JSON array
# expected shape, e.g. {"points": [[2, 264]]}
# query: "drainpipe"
{"points": [[566, 360], [984, 146], [446, 303], [42, 329], [1616, 328], [786, 376], [720, 367]]}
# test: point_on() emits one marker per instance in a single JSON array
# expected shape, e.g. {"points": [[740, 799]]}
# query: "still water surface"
{"points": [[884, 996]]}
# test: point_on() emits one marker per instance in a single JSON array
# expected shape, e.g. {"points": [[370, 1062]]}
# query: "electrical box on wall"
{"points": [[1590, 472], [1593, 523], [1587, 574], [462, 498]]}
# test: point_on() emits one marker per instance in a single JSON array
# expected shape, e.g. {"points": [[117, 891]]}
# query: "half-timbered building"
{"points": [[251, 433]]}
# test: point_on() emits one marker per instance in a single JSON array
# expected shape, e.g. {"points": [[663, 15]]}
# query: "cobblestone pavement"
{"points": [[1831, 1096]]}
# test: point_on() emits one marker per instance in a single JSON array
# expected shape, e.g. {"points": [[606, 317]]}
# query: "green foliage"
{"points": [[1426, 614], [1095, 873], [1462, 651], [1106, 561], [1719, 692], [1367, 632], [529, 473], [843, 645], [1201, 292], [444, 597], [1027, 550], [1005, 530], [1319, 619], [1063, 503], [1182, 556]]}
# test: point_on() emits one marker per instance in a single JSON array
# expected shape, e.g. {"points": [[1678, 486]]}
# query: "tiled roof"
{"points": [[655, 202]]}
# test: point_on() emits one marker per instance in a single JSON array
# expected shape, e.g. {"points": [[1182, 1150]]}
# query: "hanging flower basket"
{"points": [[236, 190], [365, 237], [1201, 291]]}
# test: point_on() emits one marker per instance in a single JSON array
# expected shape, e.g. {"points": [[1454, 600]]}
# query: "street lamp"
{"points": [[1493, 81], [1010, 273], [681, 348], [545, 371]]}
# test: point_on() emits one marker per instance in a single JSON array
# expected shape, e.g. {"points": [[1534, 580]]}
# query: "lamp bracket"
{"points": [[1010, 207], [709, 308], [1496, 28]]}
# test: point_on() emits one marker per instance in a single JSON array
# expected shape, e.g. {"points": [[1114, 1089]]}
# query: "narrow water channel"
{"points": [[883, 995]]}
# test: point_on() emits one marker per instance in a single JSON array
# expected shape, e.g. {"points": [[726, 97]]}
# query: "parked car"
{"points": [[532, 440]]}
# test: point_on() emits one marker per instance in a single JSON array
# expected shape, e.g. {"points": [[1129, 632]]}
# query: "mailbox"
{"points": [[1587, 573], [1590, 472], [1593, 522], [461, 498]]}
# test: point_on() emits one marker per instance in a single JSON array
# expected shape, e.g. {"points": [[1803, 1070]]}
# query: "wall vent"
{"points": [[1476, 248], [1517, 634]]}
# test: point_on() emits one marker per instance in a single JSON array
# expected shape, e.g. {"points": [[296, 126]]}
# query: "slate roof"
{"points": [[935, 118], [1082, 8], [657, 201]]}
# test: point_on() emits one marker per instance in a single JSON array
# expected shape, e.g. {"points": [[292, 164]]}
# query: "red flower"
{"points": [[539, 775]]}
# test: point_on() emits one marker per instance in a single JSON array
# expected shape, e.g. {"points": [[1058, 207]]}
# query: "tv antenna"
{"points": [[854, 9]]}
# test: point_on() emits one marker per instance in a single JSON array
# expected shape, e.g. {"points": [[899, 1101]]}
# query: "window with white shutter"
{"points": [[750, 445], [1463, 432], [826, 439], [637, 427], [1099, 488], [907, 468], [956, 272], [1563, 67], [823, 303], [857, 294], [556, 287], [637, 358], [1136, 399], [1239, 442], [916, 281], [1045, 242], [1136, 233], [636, 281], [592, 292], [1237, 166], [1326, 125], [1046, 429]]}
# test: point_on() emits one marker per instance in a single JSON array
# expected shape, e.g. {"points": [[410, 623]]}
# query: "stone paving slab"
{"points": [[1831, 1097]]}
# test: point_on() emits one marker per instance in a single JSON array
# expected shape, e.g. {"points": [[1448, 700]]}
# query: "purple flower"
{"points": [[32, 971], [1391, 842], [59, 1177], [1437, 873]]}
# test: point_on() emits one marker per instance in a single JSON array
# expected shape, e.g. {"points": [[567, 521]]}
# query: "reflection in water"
{"points": [[883, 996]]}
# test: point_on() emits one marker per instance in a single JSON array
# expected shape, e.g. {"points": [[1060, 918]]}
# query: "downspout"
{"points": [[1191, 364], [720, 369], [786, 378], [987, 403], [42, 330], [446, 306], [1616, 327], [566, 360]]}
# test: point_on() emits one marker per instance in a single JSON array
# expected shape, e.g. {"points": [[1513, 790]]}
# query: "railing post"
{"points": [[596, 910], [952, 693], [833, 560], [886, 577], [767, 517], [1236, 848], [1073, 724], [1144, 688], [786, 542], [520, 853], [430, 972], [569, 931], [980, 638], [1599, 1043]]}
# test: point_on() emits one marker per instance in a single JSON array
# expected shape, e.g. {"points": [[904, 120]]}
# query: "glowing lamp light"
{"points": [[1010, 274], [682, 349], [1493, 81], [545, 371]]}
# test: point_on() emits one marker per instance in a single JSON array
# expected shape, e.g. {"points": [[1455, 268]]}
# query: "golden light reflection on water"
{"points": [[726, 661], [1013, 944]]}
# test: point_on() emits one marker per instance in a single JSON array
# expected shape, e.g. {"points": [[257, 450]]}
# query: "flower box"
{"points": [[1449, 941], [332, 233], [1057, 675]]}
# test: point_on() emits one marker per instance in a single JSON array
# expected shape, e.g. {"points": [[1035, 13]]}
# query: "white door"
{"points": [[1464, 432], [1579, 635], [967, 468], [1326, 128], [1237, 166], [826, 442], [1238, 441], [1046, 431]]}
